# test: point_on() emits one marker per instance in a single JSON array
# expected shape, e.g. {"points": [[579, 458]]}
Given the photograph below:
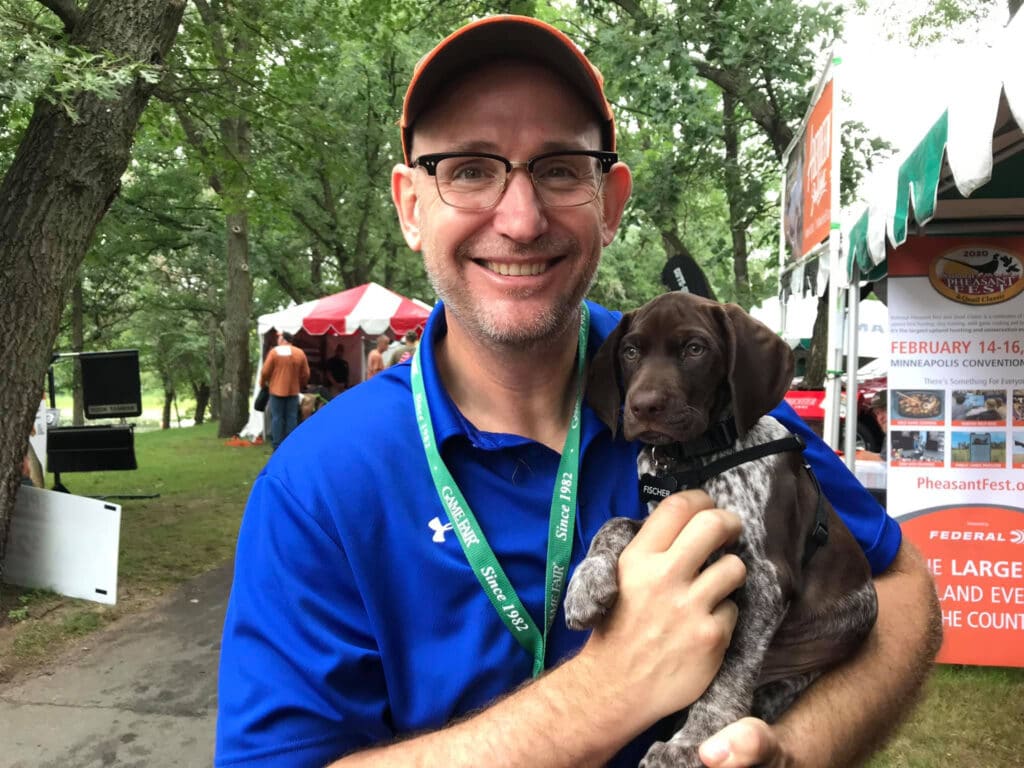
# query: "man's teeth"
{"points": [[516, 269]]}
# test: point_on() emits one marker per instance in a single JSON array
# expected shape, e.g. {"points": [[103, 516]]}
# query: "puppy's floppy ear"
{"points": [[760, 366], [604, 377]]}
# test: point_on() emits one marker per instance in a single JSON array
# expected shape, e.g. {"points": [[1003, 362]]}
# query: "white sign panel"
{"points": [[956, 433], [64, 543]]}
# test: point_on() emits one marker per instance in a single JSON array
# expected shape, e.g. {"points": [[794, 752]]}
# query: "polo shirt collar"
{"points": [[448, 420]]}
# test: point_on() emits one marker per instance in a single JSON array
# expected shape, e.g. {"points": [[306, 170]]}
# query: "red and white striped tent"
{"points": [[369, 309], [352, 320]]}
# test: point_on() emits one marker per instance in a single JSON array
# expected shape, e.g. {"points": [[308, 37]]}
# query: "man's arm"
{"points": [[267, 369], [656, 653], [850, 712]]}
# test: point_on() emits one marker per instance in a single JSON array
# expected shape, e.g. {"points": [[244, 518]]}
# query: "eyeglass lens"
{"points": [[477, 182]]}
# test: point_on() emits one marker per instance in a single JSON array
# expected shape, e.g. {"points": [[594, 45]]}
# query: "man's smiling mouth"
{"points": [[516, 268]]}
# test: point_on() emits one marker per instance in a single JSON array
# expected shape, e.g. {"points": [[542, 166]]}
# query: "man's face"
{"points": [[516, 110]]}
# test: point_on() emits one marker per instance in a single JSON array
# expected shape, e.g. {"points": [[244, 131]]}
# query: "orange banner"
{"points": [[976, 554], [817, 181]]}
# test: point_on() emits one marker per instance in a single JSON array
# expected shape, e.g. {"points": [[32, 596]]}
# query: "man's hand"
{"points": [[668, 632], [745, 743]]}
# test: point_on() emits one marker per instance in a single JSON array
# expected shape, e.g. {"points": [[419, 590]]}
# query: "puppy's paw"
{"points": [[592, 592], [671, 755]]}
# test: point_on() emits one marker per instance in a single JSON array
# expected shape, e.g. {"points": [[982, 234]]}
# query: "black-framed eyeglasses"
{"points": [[477, 180]]}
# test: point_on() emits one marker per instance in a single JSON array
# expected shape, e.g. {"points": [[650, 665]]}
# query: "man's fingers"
{"points": [[745, 743], [707, 531], [668, 519], [719, 580]]}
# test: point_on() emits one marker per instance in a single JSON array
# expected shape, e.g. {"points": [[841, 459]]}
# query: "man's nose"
{"points": [[520, 214]]}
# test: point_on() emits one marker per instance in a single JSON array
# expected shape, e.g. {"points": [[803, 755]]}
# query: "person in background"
{"points": [[407, 350], [375, 360], [880, 410], [32, 468], [337, 373], [368, 620], [285, 372]]}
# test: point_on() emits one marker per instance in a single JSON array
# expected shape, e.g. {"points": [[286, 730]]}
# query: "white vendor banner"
{"points": [[956, 433]]}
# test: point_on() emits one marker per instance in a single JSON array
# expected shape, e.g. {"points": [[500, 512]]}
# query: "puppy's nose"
{"points": [[648, 406]]}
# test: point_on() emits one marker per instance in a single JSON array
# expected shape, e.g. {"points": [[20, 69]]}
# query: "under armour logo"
{"points": [[439, 529]]}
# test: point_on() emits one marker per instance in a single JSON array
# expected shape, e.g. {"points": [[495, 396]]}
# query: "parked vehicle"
{"points": [[872, 380]]}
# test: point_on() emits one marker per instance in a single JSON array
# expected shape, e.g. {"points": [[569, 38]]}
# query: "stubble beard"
{"points": [[490, 328]]}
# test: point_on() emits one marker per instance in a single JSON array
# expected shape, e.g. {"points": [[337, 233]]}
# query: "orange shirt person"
{"points": [[285, 372]]}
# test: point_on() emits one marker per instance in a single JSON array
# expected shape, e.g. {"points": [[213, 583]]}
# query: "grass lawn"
{"points": [[970, 716], [188, 529]]}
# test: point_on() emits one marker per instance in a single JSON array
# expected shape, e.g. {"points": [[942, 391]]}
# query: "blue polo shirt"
{"points": [[354, 616]]}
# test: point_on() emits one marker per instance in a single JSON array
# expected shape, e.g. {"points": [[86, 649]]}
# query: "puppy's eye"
{"points": [[630, 353], [694, 349]]}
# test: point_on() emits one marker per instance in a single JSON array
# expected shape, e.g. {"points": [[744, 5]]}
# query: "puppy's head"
{"points": [[680, 363]]}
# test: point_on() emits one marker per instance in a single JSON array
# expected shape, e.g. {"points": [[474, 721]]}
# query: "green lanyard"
{"points": [[478, 552]]}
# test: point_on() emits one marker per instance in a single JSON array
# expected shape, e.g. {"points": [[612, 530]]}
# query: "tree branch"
{"points": [[210, 21], [65, 10], [741, 87]]}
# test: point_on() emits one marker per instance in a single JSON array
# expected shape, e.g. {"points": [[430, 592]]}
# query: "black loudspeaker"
{"points": [[90, 449], [110, 384]]}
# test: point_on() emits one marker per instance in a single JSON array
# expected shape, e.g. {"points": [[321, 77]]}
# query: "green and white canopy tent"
{"points": [[964, 176]]}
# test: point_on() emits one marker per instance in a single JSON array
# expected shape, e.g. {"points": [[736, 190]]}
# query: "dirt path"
{"points": [[141, 692]]}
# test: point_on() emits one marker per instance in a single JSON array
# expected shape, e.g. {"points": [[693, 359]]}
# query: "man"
{"points": [[286, 372], [356, 617], [375, 360]]}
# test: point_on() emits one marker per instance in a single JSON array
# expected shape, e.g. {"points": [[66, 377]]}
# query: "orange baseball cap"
{"points": [[497, 37]]}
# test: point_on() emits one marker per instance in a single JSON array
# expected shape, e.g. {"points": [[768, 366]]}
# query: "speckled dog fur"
{"points": [[680, 364]]}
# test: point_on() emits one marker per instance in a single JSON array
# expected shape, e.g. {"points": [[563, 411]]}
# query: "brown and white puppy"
{"points": [[681, 365]]}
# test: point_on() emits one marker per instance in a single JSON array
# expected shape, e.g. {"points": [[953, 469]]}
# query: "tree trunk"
{"points": [[735, 194], [316, 270], [77, 345], [228, 166], [817, 356], [213, 333], [64, 176], [238, 309], [201, 392], [165, 417]]}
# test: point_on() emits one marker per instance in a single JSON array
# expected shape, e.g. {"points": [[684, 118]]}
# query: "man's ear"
{"points": [[618, 184], [403, 193]]}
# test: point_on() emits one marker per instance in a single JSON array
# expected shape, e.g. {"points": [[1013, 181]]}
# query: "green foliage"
{"points": [[37, 63], [25, 601], [320, 85], [667, 69], [943, 20]]}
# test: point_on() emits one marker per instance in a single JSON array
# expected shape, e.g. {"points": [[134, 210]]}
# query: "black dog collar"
{"points": [[719, 437], [696, 473]]}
